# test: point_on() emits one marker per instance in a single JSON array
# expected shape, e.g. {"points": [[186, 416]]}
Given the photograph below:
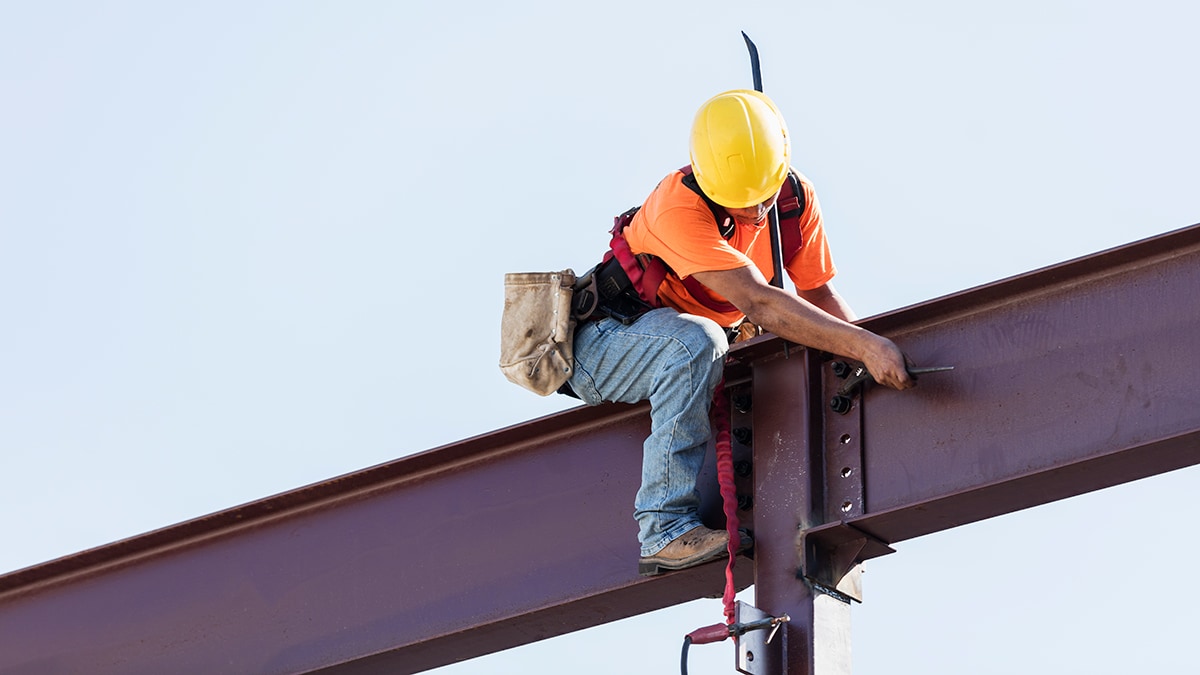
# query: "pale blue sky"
{"points": [[249, 246]]}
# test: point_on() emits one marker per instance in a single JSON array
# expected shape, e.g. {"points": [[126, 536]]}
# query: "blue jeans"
{"points": [[674, 360]]}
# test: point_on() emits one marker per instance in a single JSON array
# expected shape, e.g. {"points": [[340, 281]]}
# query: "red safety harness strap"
{"points": [[646, 273], [645, 280], [720, 420]]}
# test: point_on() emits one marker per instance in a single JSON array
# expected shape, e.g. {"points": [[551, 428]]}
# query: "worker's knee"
{"points": [[704, 342], [713, 337]]}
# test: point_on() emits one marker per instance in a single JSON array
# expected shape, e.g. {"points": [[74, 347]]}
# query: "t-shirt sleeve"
{"points": [[687, 240], [813, 265]]}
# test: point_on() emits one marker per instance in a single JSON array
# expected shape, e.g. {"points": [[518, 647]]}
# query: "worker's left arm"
{"points": [[828, 299]]}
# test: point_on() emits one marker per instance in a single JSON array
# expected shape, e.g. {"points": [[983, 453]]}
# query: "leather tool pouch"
{"points": [[537, 330]]}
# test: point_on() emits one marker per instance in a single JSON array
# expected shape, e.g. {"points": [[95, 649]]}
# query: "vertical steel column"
{"points": [[789, 498]]}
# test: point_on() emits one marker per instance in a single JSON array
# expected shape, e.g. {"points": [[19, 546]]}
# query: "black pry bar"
{"points": [[776, 247], [755, 68]]}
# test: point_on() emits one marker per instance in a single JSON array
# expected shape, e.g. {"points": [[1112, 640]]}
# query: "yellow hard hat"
{"points": [[740, 148]]}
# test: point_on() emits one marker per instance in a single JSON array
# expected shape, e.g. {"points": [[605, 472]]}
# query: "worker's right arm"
{"points": [[793, 318]]}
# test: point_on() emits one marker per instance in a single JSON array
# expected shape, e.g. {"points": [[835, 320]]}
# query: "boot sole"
{"points": [[651, 567]]}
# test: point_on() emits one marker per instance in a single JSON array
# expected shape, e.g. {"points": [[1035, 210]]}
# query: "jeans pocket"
{"points": [[584, 386]]}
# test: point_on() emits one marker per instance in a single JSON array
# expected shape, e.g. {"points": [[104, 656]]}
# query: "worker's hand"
{"points": [[886, 363]]}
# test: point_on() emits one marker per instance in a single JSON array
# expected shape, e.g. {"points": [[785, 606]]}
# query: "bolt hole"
{"points": [[846, 471], [846, 506], [844, 439], [749, 656]]}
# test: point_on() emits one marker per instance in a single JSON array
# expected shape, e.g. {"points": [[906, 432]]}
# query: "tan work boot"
{"points": [[697, 545]]}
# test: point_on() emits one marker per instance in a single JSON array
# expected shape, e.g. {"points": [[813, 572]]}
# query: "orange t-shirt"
{"points": [[676, 225]]}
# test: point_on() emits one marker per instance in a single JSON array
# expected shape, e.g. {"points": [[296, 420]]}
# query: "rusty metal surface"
{"points": [[788, 493], [514, 536], [1067, 379]]}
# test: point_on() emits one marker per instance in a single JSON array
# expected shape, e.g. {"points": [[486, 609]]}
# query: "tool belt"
{"points": [[541, 310], [606, 291]]}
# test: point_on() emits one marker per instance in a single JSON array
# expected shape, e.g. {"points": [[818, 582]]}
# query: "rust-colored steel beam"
{"points": [[1067, 379], [512, 537], [789, 496]]}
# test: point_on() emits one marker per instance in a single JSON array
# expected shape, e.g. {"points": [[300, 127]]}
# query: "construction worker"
{"points": [[674, 355]]}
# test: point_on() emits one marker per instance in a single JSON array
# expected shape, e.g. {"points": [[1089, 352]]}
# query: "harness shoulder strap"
{"points": [[726, 227], [646, 273], [791, 207], [725, 224]]}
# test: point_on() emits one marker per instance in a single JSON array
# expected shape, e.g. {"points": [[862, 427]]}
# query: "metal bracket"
{"points": [[759, 652], [830, 556]]}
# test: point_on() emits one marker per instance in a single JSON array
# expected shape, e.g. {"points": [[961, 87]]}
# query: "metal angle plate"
{"points": [[759, 652]]}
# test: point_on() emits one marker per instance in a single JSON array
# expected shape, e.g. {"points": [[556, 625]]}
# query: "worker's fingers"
{"points": [[906, 379], [887, 365], [901, 380], [896, 378]]}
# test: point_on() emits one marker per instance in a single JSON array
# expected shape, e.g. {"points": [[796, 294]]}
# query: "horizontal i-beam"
{"points": [[1066, 380], [525, 533], [493, 542]]}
